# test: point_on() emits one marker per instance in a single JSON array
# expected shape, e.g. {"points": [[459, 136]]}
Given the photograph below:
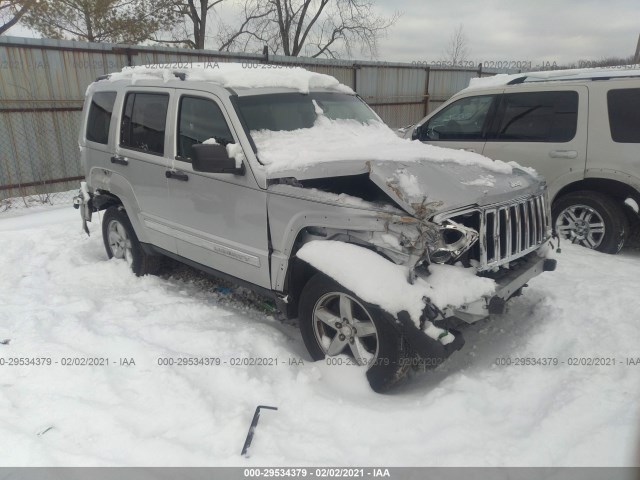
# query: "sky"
{"points": [[536, 31], [513, 30]]}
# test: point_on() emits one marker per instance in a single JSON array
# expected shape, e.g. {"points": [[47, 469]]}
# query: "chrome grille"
{"points": [[512, 230]]}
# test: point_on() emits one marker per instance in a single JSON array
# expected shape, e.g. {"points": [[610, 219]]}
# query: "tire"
{"points": [[121, 241], [380, 347], [591, 219], [633, 237]]}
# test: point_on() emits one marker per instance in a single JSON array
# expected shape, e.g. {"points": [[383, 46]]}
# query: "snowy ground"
{"points": [[60, 298]]}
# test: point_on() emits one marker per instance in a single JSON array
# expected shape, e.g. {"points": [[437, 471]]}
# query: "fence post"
{"points": [[426, 90], [128, 51]]}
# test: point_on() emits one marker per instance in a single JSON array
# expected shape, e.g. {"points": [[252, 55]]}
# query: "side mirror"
{"points": [[211, 158], [417, 132], [423, 133], [401, 132]]}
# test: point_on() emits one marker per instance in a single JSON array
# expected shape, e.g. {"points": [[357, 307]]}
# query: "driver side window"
{"points": [[199, 120], [462, 120]]}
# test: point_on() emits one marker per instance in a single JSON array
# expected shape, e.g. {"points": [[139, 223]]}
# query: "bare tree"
{"points": [[12, 11], [315, 28], [192, 30], [118, 21], [606, 62], [457, 49], [612, 61]]}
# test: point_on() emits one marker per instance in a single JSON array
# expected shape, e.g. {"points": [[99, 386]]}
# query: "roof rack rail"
{"points": [[181, 75], [103, 77], [515, 81], [567, 78]]}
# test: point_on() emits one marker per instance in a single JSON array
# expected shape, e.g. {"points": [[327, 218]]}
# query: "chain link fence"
{"points": [[39, 155]]}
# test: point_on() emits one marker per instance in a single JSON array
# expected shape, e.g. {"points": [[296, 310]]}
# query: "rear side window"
{"points": [[200, 119], [538, 117], [100, 117], [624, 114], [143, 122]]}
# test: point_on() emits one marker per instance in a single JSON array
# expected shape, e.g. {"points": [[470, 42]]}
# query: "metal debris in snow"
{"points": [[42, 432], [252, 428]]}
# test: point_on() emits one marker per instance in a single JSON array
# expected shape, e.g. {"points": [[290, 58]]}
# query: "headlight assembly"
{"points": [[453, 240]]}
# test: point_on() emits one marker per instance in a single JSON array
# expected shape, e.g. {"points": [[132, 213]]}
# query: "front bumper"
{"points": [[432, 352], [507, 286]]}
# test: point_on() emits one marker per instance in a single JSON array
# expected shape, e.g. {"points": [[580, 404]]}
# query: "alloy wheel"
{"points": [[119, 241], [343, 325], [582, 225]]}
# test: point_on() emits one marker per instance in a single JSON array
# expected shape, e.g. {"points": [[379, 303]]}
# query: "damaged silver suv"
{"points": [[285, 181]]}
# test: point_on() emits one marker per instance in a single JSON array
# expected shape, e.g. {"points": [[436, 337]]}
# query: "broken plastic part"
{"points": [[441, 335]]}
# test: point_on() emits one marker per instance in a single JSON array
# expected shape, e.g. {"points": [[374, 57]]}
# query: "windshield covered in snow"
{"points": [[294, 131], [292, 111]]}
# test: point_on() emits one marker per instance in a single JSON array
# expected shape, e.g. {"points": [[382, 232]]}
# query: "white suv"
{"points": [[580, 129]]}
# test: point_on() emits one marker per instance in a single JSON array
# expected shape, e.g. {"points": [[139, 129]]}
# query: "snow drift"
{"points": [[60, 297]]}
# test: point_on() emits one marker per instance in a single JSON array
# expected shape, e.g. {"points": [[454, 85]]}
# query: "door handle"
{"points": [[183, 177], [119, 160], [472, 150], [563, 154]]}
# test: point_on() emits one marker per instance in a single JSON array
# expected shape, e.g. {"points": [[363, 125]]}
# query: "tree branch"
{"points": [[16, 16]]}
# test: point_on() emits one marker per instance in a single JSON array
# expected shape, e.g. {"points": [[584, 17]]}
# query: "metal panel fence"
{"points": [[43, 82]]}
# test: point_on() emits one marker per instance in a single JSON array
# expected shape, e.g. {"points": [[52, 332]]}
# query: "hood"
{"points": [[424, 188]]}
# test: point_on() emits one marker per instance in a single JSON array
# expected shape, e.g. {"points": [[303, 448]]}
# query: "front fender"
{"points": [[290, 217]]}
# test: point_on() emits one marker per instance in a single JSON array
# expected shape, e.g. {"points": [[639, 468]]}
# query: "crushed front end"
{"points": [[511, 249]]}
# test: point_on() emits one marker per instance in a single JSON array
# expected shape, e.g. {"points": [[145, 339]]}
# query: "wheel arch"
{"points": [[116, 189], [102, 200], [616, 189], [300, 272], [607, 186]]}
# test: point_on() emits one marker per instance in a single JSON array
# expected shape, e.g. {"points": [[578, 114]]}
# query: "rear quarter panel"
{"points": [[606, 158]]}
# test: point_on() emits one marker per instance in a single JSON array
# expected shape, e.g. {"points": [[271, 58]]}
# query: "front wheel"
{"points": [[121, 241], [591, 219], [335, 321]]}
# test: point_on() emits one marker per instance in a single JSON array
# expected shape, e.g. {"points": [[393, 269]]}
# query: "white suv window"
{"points": [[538, 117], [624, 114]]}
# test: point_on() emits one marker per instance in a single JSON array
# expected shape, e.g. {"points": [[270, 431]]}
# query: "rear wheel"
{"points": [[591, 219], [335, 321], [121, 242]]}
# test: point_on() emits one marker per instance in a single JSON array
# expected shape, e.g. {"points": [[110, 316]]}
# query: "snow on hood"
{"points": [[424, 188], [235, 75], [423, 179], [342, 140]]}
